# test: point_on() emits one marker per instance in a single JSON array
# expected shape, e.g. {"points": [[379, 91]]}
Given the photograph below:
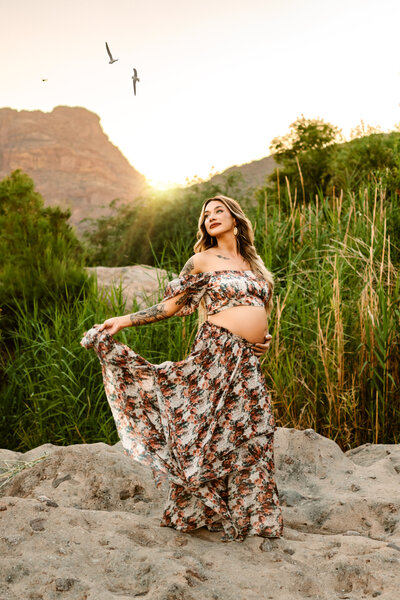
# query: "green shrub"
{"points": [[40, 252]]}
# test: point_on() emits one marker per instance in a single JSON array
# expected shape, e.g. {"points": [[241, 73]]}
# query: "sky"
{"points": [[219, 79]]}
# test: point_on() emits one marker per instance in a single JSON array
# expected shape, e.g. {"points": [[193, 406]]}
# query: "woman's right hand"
{"points": [[113, 325], [261, 349]]}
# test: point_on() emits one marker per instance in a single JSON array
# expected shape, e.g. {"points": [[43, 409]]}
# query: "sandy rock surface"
{"points": [[82, 523], [140, 282]]}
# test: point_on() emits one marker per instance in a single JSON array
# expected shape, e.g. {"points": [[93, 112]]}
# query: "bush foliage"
{"points": [[41, 256], [314, 159]]}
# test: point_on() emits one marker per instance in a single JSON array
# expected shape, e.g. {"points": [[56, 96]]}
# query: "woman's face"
{"points": [[218, 219]]}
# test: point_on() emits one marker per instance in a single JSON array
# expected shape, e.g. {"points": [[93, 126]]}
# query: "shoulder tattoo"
{"points": [[189, 266]]}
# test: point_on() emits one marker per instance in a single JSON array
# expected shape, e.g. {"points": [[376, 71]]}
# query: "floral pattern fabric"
{"points": [[220, 290], [205, 422]]}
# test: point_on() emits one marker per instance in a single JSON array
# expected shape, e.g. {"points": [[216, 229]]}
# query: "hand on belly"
{"points": [[249, 322]]}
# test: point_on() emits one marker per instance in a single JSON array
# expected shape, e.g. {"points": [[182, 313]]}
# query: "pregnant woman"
{"points": [[204, 422]]}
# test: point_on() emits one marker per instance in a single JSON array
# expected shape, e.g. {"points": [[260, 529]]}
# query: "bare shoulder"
{"points": [[190, 267], [196, 264], [201, 262], [207, 259]]}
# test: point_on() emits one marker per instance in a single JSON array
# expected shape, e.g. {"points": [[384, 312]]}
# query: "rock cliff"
{"points": [[69, 157]]}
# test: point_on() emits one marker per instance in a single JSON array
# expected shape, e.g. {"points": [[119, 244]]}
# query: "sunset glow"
{"points": [[218, 80]]}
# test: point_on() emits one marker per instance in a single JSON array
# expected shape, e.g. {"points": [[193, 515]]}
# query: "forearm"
{"points": [[158, 312]]}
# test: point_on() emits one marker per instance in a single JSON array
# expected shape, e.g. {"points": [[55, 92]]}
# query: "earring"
{"points": [[235, 230]]}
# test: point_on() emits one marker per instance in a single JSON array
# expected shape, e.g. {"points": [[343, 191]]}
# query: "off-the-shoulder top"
{"points": [[220, 290]]}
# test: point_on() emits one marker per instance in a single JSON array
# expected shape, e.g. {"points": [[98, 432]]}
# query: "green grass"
{"points": [[335, 361]]}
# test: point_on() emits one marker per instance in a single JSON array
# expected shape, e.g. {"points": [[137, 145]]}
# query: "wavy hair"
{"points": [[244, 240]]}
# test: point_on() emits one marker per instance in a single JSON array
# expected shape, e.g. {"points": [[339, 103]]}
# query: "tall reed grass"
{"points": [[334, 363], [335, 359]]}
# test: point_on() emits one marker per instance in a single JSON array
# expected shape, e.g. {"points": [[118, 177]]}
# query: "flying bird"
{"points": [[135, 78], [112, 60]]}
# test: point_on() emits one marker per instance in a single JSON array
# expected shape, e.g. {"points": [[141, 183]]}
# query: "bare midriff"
{"points": [[250, 322]]}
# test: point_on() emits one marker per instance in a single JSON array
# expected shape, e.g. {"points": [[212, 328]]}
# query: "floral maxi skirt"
{"points": [[206, 423]]}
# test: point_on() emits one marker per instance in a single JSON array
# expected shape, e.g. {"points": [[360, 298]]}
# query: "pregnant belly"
{"points": [[249, 322]]}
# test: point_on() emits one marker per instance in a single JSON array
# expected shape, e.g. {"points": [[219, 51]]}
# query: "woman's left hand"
{"points": [[260, 349]]}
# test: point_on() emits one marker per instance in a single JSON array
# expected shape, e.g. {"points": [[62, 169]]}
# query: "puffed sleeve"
{"points": [[195, 287]]}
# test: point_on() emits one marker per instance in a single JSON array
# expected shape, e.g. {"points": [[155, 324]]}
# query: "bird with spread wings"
{"points": [[135, 78], [112, 60]]}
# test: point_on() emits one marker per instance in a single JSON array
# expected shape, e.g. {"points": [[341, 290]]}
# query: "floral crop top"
{"points": [[220, 290]]}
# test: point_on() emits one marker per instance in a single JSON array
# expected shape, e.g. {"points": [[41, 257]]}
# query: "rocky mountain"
{"points": [[71, 160], [82, 522]]}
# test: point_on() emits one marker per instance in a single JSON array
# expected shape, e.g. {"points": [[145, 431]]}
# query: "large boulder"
{"points": [[138, 282]]}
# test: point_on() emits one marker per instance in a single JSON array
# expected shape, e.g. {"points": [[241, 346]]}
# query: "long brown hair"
{"points": [[244, 240]]}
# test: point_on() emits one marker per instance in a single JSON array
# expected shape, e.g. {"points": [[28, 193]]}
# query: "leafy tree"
{"points": [[304, 135], [305, 154], [41, 256]]}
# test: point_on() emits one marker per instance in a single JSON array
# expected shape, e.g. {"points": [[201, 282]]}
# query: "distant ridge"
{"points": [[71, 160], [254, 173]]}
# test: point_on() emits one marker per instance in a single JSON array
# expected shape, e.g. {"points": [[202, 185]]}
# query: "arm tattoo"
{"points": [[149, 315], [187, 268]]}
